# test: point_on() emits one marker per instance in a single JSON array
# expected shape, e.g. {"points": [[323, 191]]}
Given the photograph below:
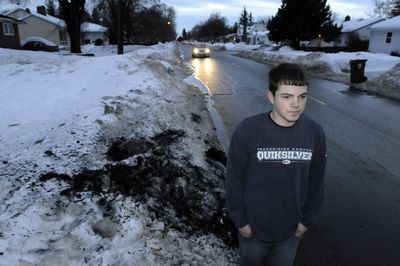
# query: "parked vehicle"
{"points": [[200, 51], [39, 44]]}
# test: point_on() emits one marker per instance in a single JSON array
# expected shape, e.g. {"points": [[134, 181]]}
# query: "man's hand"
{"points": [[245, 231], [300, 231]]}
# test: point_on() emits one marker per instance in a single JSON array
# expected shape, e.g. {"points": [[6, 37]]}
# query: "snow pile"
{"points": [[22, 57], [108, 160], [386, 84], [332, 66]]}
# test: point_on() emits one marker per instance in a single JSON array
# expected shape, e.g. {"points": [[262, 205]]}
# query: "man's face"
{"points": [[288, 104]]}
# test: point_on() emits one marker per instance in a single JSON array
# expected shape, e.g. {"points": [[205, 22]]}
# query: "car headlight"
{"points": [[195, 50], [207, 50]]}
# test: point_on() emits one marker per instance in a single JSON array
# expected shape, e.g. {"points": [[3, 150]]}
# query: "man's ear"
{"points": [[270, 97]]}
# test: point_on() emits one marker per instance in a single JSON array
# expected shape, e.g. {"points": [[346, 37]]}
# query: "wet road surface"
{"points": [[360, 223]]}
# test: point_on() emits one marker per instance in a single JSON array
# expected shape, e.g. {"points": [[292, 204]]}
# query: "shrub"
{"points": [[98, 42], [356, 44], [395, 53]]}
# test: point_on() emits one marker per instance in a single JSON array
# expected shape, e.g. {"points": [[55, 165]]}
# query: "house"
{"points": [[39, 24], [92, 32], [361, 27], [256, 34], [357, 26], [231, 37], [385, 36], [9, 34]]}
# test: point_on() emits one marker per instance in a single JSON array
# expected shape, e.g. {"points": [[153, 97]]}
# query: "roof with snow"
{"points": [[9, 19], [86, 26], [356, 24], [91, 27], [48, 18], [389, 24]]}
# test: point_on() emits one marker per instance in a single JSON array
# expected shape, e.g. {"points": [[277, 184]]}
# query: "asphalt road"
{"points": [[360, 223]]}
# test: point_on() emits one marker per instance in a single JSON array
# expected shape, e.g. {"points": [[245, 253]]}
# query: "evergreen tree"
{"points": [[184, 34], [235, 27], [244, 21], [251, 21], [347, 18], [302, 20]]}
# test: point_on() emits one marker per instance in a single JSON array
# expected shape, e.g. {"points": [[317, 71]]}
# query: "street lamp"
{"points": [[319, 40]]}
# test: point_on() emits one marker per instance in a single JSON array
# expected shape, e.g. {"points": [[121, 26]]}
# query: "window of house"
{"points": [[389, 37], [8, 29]]}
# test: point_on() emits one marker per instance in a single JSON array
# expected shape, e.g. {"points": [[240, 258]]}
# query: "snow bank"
{"points": [[380, 68], [59, 204]]}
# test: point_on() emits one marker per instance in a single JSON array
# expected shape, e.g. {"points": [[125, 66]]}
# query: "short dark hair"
{"points": [[286, 74]]}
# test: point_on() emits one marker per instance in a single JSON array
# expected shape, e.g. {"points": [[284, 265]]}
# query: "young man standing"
{"points": [[275, 177]]}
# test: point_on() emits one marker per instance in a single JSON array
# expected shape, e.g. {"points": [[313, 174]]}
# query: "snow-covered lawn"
{"points": [[107, 160]]}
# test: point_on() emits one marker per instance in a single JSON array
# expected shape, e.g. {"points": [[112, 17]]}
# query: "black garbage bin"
{"points": [[357, 68]]}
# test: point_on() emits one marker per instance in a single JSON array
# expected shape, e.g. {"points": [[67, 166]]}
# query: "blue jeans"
{"points": [[258, 253]]}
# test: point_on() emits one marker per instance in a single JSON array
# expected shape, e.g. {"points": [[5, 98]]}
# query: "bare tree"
{"points": [[121, 13], [72, 12], [382, 8]]}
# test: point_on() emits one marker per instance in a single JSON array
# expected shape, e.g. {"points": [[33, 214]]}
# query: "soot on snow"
{"points": [[186, 197]]}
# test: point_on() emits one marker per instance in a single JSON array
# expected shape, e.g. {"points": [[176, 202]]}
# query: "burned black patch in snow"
{"points": [[168, 137], [185, 197], [123, 149], [216, 155], [196, 118], [51, 175]]}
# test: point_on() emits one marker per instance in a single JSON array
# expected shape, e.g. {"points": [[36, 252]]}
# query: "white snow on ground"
{"points": [[60, 113], [376, 64]]}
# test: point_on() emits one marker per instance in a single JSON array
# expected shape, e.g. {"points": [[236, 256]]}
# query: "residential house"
{"points": [[9, 34], [231, 37], [256, 34], [385, 36], [356, 26], [361, 27], [39, 24], [239, 31], [91, 32]]}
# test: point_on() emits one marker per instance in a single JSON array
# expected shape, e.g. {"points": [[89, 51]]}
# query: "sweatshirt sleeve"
{"points": [[312, 206], [234, 183]]}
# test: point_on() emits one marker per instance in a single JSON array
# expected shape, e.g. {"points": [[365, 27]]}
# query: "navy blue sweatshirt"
{"points": [[275, 176]]}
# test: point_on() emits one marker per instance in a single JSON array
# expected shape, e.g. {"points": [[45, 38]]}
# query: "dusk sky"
{"points": [[192, 12]]}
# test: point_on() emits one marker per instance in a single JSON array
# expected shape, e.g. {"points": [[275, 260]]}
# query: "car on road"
{"points": [[200, 51], [38, 44]]}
